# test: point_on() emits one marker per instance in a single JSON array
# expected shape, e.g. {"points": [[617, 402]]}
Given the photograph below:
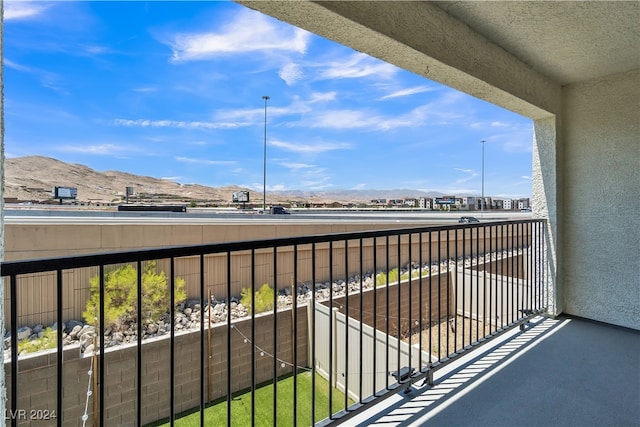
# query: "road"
{"points": [[232, 217]]}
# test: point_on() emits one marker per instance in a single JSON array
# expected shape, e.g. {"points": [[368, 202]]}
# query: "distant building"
{"points": [[425, 203], [468, 203]]}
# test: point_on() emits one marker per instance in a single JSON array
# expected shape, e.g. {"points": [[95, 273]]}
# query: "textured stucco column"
{"points": [[600, 207], [544, 200]]}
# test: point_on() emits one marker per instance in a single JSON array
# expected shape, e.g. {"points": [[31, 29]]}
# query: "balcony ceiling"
{"points": [[566, 41]]}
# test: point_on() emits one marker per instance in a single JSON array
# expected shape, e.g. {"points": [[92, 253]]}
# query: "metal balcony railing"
{"points": [[346, 319]]}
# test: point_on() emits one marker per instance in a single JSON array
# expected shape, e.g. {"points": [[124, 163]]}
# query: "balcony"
{"points": [[386, 320], [558, 372]]}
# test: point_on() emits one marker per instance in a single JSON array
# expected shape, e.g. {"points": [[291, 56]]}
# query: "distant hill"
{"points": [[32, 178]]}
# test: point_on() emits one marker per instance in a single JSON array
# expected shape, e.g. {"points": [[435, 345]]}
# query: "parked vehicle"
{"points": [[278, 210], [468, 219]]}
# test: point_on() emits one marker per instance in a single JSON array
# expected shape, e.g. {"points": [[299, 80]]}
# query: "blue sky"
{"points": [[174, 90]]}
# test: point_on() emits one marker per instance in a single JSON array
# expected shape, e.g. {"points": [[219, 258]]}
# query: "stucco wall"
{"points": [[601, 178]]}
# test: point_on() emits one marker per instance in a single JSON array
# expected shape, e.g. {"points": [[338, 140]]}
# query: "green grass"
{"points": [[216, 414]]}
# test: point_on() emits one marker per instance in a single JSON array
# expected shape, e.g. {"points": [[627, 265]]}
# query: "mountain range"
{"points": [[32, 178]]}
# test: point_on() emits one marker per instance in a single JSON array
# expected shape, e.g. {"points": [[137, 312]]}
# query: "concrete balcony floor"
{"points": [[558, 372]]}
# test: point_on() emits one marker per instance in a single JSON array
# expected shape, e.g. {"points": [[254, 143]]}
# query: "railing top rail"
{"points": [[39, 265]]}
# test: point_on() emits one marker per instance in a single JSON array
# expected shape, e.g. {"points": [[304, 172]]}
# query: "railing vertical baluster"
{"points": [[253, 337], [172, 340], [361, 324], [513, 278], [14, 348], [439, 295], [431, 296], [101, 385], [13, 289], [455, 295], [508, 308], [139, 342], [471, 284], [331, 323], [399, 327], [448, 296], [478, 281], [464, 285], [420, 326], [386, 318], [60, 354], [485, 264], [518, 273], [542, 303], [529, 270], [294, 303], [493, 308], [275, 336], [410, 284], [228, 300], [375, 313], [313, 334], [202, 346], [503, 261], [346, 324]]}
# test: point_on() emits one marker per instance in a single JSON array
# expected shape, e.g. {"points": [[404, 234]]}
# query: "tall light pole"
{"points": [[264, 178], [482, 199]]}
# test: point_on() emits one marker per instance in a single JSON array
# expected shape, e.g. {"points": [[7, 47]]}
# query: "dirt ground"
{"points": [[464, 332]]}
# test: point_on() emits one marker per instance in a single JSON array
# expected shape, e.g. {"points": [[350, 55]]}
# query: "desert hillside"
{"points": [[32, 178]]}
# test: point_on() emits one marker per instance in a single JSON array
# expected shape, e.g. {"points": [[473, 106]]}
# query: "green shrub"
{"points": [[263, 298], [120, 294], [381, 280], [48, 340]]}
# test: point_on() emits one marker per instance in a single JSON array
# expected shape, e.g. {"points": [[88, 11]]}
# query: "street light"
{"points": [[482, 199], [264, 184]]}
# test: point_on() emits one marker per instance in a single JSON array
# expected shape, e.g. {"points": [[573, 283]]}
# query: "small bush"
{"points": [[48, 340], [381, 280], [120, 294], [263, 298]]}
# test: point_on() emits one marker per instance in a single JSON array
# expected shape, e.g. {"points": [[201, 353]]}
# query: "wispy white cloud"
{"points": [[322, 97], [407, 92], [296, 166], [98, 149], [291, 73], [345, 119], [463, 170], [176, 124], [46, 79], [359, 187], [319, 147], [357, 65], [248, 31], [366, 119], [205, 161], [14, 10]]}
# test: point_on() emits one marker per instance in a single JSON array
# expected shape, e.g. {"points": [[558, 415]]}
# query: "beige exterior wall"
{"points": [[600, 207]]}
